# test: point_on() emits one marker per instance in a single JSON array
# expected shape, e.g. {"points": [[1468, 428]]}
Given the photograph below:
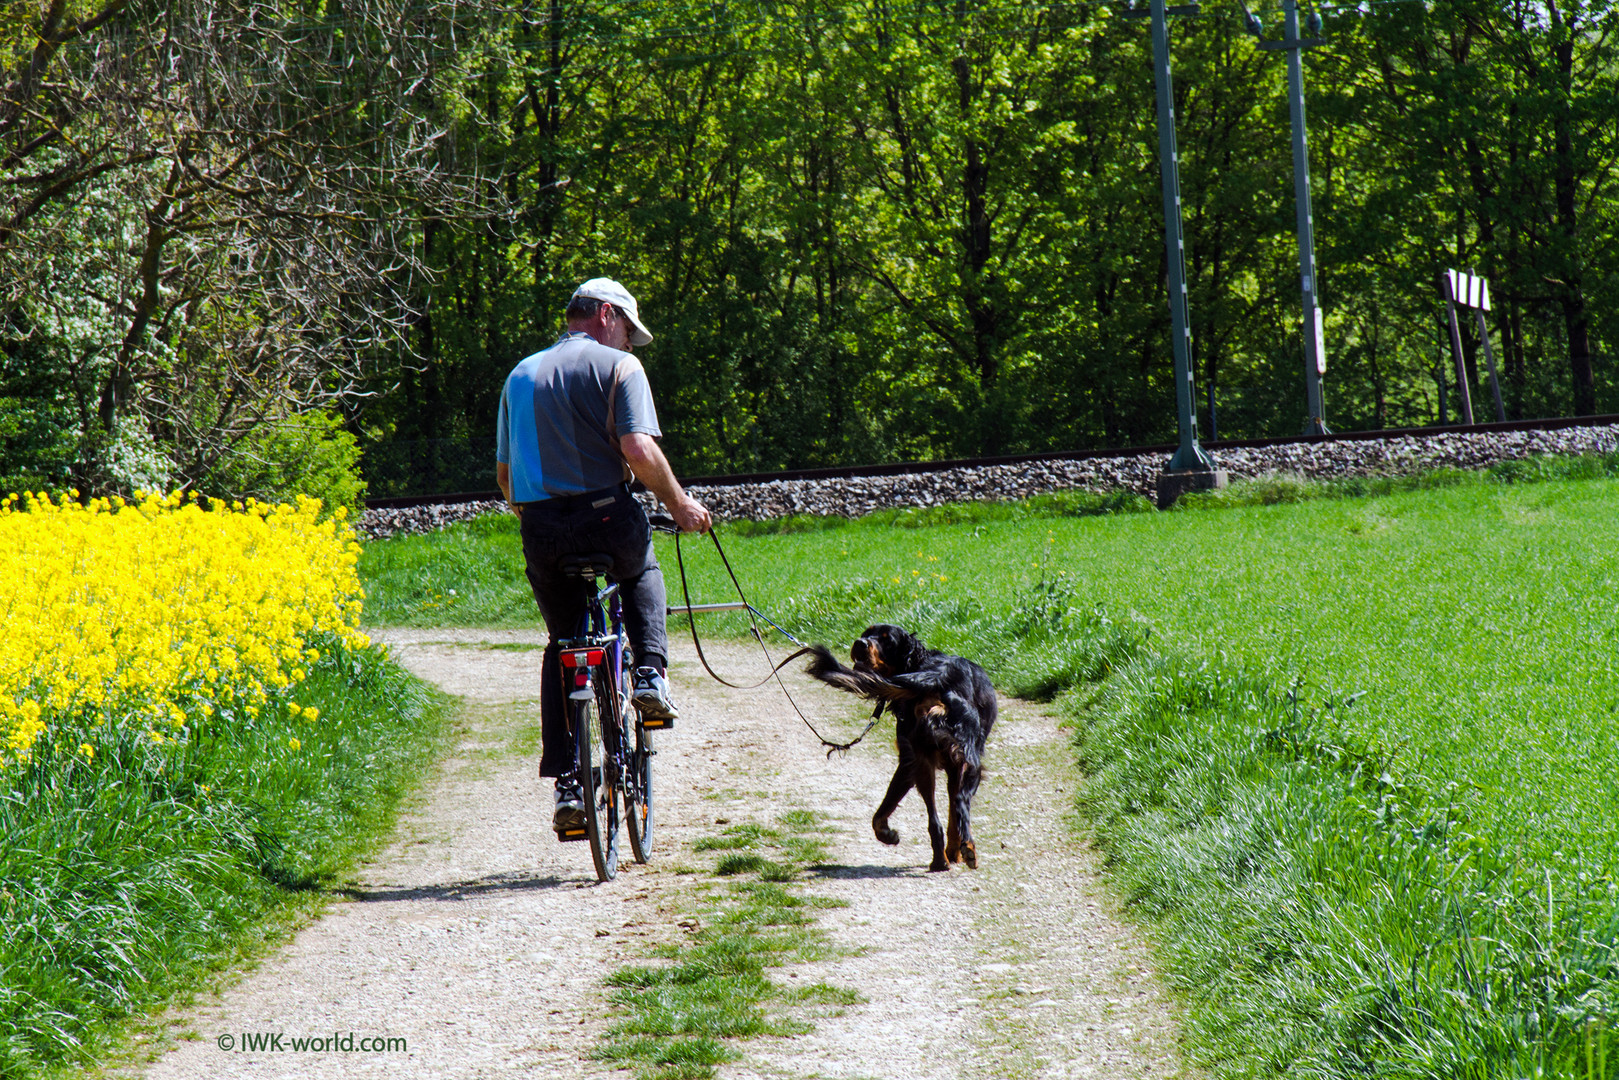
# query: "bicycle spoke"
{"points": [[600, 794], [638, 800]]}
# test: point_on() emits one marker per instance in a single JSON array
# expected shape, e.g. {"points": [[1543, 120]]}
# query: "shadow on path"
{"points": [[845, 871], [464, 890]]}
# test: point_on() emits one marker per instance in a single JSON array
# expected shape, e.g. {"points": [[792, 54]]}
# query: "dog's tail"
{"points": [[824, 666], [867, 684], [922, 687]]}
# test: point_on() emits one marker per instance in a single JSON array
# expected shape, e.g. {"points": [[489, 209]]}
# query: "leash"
{"points": [[775, 672]]}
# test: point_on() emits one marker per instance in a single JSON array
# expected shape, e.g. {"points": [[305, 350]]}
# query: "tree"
{"points": [[1483, 134], [200, 228]]}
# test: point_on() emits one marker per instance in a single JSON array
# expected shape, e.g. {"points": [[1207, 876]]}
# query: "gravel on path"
{"points": [[483, 943]]}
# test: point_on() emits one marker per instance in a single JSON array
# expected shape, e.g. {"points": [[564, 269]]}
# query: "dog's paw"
{"points": [[969, 855]]}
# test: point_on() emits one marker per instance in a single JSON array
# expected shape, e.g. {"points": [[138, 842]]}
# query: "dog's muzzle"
{"points": [[867, 655]]}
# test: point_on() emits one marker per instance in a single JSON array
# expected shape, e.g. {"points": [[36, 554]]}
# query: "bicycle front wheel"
{"points": [[638, 795], [600, 789]]}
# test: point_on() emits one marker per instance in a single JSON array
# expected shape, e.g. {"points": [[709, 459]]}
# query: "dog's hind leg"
{"points": [[924, 788], [904, 777], [952, 828], [963, 784]]}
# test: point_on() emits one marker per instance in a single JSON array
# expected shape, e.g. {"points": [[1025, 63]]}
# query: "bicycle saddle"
{"points": [[587, 564]]}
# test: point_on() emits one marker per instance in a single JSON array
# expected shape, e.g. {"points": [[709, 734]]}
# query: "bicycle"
{"points": [[596, 680]]}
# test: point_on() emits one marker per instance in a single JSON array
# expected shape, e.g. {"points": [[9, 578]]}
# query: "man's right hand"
{"points": [[691, 515]]}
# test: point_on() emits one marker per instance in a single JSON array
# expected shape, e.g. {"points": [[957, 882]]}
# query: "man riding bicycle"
{"points": [[576, 423]]}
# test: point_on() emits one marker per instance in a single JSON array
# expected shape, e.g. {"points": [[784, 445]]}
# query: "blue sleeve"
{"points": [[503, 445]]}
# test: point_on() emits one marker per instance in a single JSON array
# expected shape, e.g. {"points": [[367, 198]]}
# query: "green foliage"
{"points": [[1547, 467], [164, 299], [309, 454], [860, 232], [127, 878], [1360, 789], [885, 233], [34, 447], [1309, 887]]}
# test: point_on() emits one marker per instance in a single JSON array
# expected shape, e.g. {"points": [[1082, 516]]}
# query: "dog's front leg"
{"points": [[924, 788], [897, 787]]}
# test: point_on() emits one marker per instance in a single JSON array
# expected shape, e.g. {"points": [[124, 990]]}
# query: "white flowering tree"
{"points": [[209, 216]]}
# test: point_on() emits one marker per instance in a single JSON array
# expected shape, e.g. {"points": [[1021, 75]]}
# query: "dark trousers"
{"points": [[570, 526]]}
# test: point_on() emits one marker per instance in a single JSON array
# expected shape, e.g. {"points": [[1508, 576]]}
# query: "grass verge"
{"points": [[1292, 488], [129, 879], [471, 573], [682, 1017], [1328, 910]]}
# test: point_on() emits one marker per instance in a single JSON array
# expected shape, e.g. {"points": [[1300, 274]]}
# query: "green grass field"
{"points": [[1360, 774]]}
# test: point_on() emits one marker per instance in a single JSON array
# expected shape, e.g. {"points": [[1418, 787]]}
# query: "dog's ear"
{"points": [[880, 642], [915, 652], [902, 650]]}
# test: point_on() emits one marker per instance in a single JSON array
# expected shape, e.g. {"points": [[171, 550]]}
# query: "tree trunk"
{"points": [[977, 236], [120, 384], [1576, 322], [547, 109]]}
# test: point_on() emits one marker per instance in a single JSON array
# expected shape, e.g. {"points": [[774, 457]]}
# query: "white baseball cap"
{"points": [[607, 289]]}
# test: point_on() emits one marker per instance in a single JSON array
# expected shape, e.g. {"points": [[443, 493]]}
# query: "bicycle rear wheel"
{"points": [[638, 795], [599, 784]]}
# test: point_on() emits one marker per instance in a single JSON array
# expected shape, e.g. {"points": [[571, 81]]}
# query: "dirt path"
{"points": [[483, 944]]}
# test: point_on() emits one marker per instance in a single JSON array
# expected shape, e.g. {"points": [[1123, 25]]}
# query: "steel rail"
{"points": [[852, 472]]}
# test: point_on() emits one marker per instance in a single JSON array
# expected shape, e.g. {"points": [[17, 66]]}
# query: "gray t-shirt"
{"points": [[562, 414]]}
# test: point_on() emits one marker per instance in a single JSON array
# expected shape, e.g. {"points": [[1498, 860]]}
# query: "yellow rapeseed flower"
{"points": [[120, 612]]}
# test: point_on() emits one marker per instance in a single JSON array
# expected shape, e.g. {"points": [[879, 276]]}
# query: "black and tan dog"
{"points": [[943, 708]]}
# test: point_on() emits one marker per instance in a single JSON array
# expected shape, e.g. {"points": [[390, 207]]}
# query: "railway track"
{"points": [[855, 490]]}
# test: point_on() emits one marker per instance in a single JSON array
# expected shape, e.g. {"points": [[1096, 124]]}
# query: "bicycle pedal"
{"points": [[568, 835], [659, 723]]}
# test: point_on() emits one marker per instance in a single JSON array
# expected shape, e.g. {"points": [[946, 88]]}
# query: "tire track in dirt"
{"points": [[483, 943]]}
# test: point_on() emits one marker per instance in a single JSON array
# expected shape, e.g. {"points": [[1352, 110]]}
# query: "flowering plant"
{"points": [[160, 613]]}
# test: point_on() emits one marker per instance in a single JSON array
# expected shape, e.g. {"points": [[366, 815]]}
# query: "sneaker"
{"points": [[570, 805], [651, 696]]}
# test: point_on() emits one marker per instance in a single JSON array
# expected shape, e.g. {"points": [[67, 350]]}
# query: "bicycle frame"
{"points": [[599, 642], [617, 789]]}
